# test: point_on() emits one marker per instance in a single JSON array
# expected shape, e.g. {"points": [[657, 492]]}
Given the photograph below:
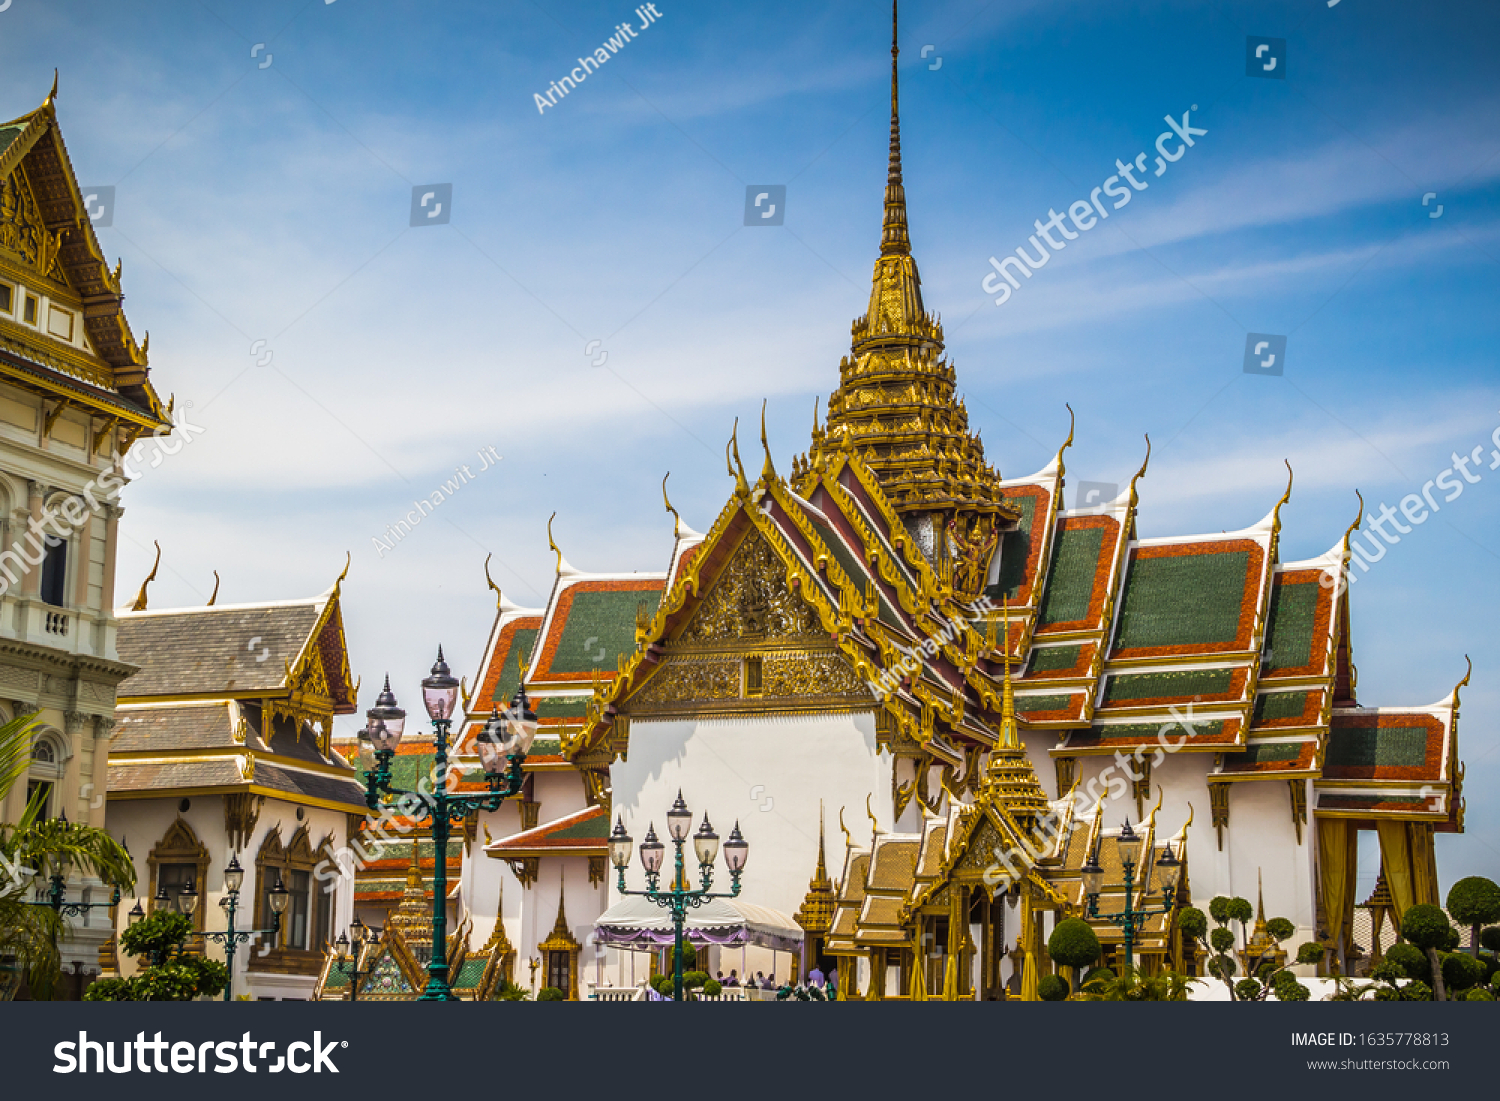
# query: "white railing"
{"points": [[57, 623]]}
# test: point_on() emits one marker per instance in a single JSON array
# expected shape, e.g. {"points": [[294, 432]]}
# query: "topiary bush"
{"points": [[1428, 928], [1461, 972], [713, 988], [1490, 938], [170, 974], [550, 994], [1193, 922], [1051, 988], [1474, 901], [1074, 944], [1411, 961], [694, 980], [1479, 994], [1098, 975]]}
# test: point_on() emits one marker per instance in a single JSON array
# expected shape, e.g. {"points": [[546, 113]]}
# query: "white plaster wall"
{"points": [[141, 823], [1261, 836], [767, 772]]}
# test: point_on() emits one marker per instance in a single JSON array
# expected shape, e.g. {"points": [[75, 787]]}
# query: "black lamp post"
{"points": [[679, 899], [359, 935], [54, 895], [1130, 920], [502, 745], [231, 938]]}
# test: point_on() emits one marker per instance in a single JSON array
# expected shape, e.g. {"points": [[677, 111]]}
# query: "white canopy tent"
{"points": [[638, 923]]}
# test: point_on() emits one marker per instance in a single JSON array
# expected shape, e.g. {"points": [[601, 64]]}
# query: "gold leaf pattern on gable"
{"points": [[22, 230], [750, 599]]}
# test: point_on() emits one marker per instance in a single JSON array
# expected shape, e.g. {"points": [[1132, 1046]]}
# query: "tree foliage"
{"points": [[1051, 988], [170, 974], [1074, 944], [1474, 901]]}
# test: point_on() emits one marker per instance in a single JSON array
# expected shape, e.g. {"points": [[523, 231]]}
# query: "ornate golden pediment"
{"points": [[22, 230], [750, 601]]}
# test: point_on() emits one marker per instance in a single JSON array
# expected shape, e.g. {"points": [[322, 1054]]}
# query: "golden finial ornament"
{"points": [[552, 543], [490, 581], [215, 595], [1067, 443], [51, 95], [848, 837], [140, 600], [676, 519], [768, 471], [874, 825]]}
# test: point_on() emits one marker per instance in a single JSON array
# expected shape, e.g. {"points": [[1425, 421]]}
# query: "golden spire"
{"points": [[815, 915], [1010, 735], [140, 600], [893, 237]]}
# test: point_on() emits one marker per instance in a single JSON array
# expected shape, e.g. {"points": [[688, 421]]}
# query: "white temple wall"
{"points": [[1260, 837], [769, 773]]}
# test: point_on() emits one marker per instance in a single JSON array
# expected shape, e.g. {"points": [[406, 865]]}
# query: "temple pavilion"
{"points": [[981, 685]]}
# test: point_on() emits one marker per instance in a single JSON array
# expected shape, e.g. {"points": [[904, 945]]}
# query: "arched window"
{"points": [[178, 860], [307, 924], [44, 777]]}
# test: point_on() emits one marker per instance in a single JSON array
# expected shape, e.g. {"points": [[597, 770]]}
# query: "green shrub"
{"points": [[713, 988], [109, 990], [1474, 901], [662, 984], [1426, 926], [1051, 988], [1280, 929], [1460, 971], [1192, 922], [1098, 974], [509, 992], [1218, 909], [694, 980], [550, 994], [1221, 940], [1247, 990], [1288, 989], [1411, 961], [1310, 952], [1490, 938], [1241, 911], [1074, 944], [1479, 994]]}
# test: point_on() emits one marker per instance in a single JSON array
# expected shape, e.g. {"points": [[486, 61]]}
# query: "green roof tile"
{"points": [[8, 134], [1015, 550], [1264, 753], [1053, 658], [1289, 632], [522, 641], [591, 829], [1187, 682], [601, 626], [1371, 747], [1070, 581], [1029, 704], [1202, 728], [1280, 705], [1183, 600]]}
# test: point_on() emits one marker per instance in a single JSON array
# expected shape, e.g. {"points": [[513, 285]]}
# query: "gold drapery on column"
{"points": [[1336, 868], [955, 944], [1395, 858], [1029, 975], [918, 991], [1423, 863]]}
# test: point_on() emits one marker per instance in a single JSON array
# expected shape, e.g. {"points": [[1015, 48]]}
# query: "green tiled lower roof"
{"points": [[1187, 682], [1053, 658], [337, 980], [1015, 549], [1280, 705], [400, 848], [409, 770], [601, 626], [9, 134], [1264, 754], [469, 973], [1027, 704], [590, 829], [1289, 632], [1070, 581], [561, 707], [1385, 747], [523, 641], [1183, 600], [1203, 728]]}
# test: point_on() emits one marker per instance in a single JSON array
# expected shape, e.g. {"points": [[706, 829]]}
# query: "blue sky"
{"points": [[272, 204]]}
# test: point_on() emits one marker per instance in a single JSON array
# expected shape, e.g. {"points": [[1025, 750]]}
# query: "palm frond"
{"points": [[15, 750], [87, 848]]}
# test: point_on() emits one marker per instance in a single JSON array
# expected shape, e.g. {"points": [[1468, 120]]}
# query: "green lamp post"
{"points": [[1132, 917], [502, 744], [230, 937], [679, 899]]}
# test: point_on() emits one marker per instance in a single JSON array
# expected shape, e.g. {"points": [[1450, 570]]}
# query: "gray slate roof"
{"points": [[203, 650]]}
